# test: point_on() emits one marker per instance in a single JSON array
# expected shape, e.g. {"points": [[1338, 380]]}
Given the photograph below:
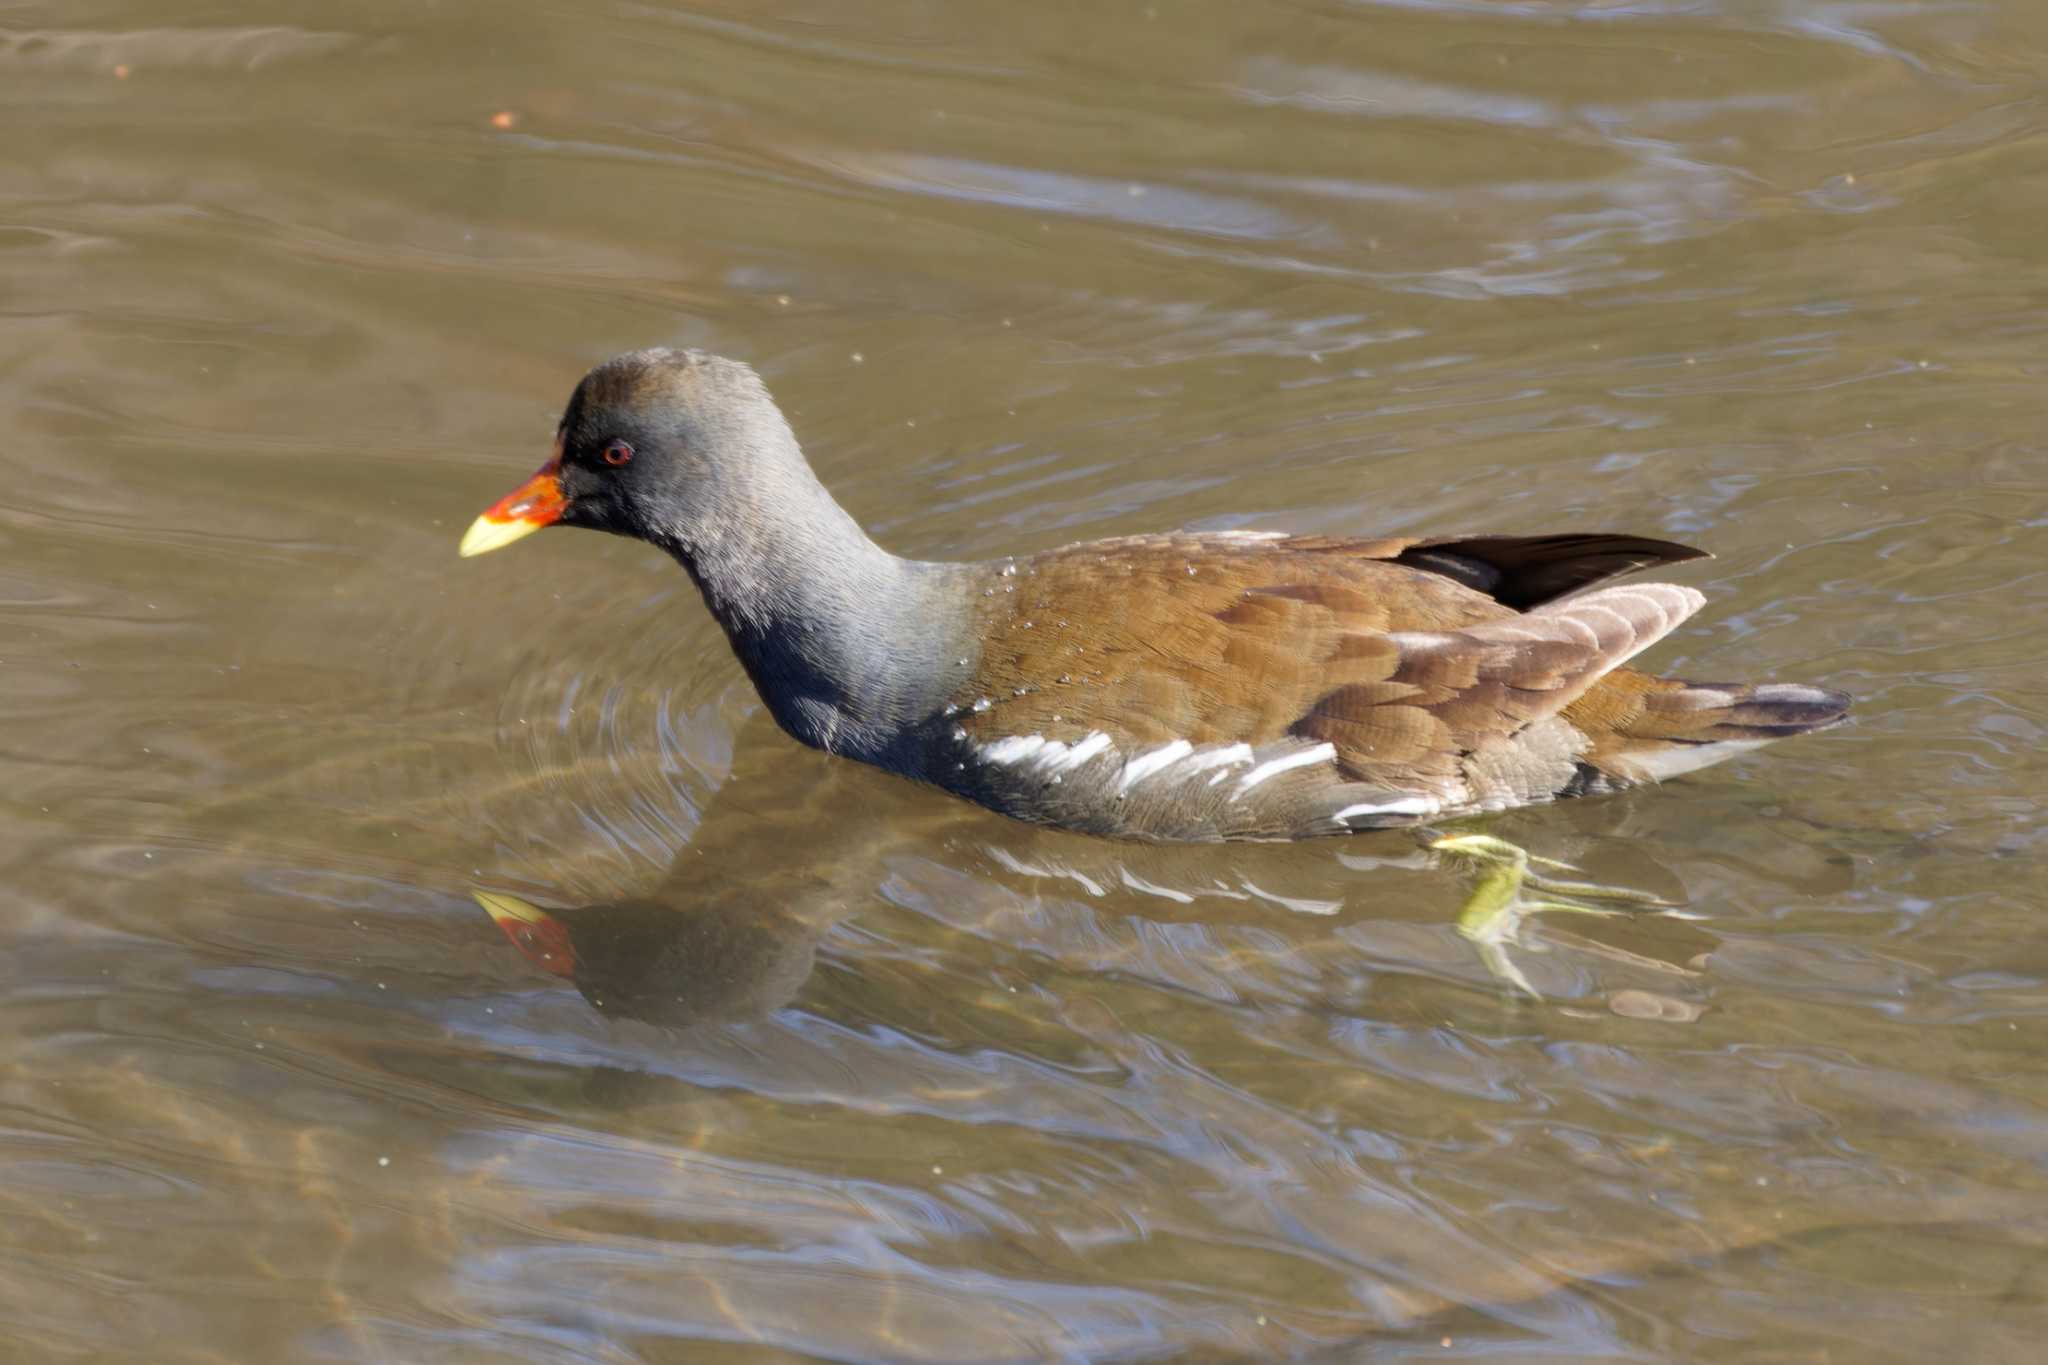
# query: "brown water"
{"points": [[281, 308]]}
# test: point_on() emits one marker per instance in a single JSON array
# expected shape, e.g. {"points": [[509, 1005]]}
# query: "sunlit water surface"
{"points": [[288, 291]]}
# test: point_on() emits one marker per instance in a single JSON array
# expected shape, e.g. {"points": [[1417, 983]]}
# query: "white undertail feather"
{"points": [[1798, 694], [1661, 765]]}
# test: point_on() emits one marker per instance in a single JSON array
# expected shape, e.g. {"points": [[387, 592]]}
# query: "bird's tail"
{"points": [[1647, 729]]}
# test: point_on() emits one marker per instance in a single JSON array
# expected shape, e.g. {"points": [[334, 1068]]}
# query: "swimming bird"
{"points": [[1177, 686]]}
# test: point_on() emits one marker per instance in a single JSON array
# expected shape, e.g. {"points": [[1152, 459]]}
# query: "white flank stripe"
{"points": [[1076, 756], [1407, 805], [1015, 749], [1218, 758], [1144, 765], [1300, 758]]}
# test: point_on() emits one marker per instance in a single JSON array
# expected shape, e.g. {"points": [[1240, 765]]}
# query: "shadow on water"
{"points": [[723, 943], [731, 935], [845, 1071]]}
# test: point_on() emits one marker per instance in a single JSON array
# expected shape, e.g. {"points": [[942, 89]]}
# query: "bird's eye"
{"points": [[618, 452]]}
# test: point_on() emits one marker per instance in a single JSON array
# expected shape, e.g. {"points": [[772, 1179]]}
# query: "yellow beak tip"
{"points": [[485, 535]]}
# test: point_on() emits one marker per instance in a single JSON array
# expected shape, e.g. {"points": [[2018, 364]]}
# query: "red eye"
{"points": [[618, 452]]}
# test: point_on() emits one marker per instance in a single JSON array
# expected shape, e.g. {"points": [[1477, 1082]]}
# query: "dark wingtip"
{"points": [[1527, 571]]}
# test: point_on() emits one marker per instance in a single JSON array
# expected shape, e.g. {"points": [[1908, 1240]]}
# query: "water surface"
{"points": [[289, 291]]}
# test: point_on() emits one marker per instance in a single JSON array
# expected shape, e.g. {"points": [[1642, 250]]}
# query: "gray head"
{"points": [[682, 449], [672, 447]]}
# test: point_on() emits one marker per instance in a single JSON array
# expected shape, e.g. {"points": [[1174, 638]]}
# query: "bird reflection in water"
{"points": [[731, 931], [664, 964], [728, 938]]}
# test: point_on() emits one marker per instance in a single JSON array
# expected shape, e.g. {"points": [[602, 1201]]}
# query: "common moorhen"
{"points": [[1184, 686]]}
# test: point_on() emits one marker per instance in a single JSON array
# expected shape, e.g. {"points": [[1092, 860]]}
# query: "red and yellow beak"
{"points": [[536, 503]]}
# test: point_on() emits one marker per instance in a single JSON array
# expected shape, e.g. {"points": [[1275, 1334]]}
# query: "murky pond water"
{"points": [[849, 1071]]}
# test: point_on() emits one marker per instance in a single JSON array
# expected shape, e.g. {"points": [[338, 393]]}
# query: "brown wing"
{"points": [[1204, 638], [1226, 639]]}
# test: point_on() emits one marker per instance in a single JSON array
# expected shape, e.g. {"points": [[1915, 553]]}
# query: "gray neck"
{"points": [[848, 645]]}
